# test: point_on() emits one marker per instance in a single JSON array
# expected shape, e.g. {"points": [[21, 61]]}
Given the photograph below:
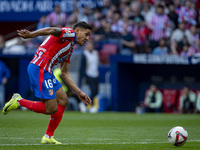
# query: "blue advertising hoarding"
{"points": [[31, 10], [165, 59]]}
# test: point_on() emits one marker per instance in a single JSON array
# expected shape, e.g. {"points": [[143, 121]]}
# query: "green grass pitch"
{"points": [[103, 131]]}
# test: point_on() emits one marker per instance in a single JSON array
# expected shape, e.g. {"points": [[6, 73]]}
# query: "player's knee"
{"points": [[63, 101], [51, 110]]}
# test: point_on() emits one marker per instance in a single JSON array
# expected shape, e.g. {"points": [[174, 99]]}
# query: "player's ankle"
{"points": [[18, 103], [47, 136]]}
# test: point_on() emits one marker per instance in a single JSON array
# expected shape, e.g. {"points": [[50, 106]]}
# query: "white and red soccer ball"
{"points": [[177, 136]]}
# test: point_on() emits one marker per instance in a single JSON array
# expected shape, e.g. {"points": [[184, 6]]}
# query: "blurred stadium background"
{"points": [[126, 70]]}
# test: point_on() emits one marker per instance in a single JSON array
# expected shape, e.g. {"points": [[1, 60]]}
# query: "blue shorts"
{"points": [[42, 82]]}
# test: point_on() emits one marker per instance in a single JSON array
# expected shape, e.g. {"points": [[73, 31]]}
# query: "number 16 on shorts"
{"points": [[49, 86]]}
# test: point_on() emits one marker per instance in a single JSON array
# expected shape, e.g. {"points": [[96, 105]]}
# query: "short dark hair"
{"points": [[160, 6], [82, 24]]}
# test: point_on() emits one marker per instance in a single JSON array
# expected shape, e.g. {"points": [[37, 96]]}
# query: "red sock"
{"points": [[55, 120], [37, 107]]}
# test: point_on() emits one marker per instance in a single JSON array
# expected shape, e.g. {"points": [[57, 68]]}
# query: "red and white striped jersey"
{"points": [[55, 50], [160, 27], [188, 15]]}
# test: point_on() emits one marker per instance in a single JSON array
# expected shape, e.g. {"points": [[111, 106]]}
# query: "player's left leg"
{"points": [[55, 119]]}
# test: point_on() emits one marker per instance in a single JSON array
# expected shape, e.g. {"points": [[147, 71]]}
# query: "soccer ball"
{"points": [[177, 136]]}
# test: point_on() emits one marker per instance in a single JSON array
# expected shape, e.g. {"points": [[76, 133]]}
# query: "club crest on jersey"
{"points": [[67, 30], [50, 91]]}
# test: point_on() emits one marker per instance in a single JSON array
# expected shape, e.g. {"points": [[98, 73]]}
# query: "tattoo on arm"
{"points": [[56, 32]]}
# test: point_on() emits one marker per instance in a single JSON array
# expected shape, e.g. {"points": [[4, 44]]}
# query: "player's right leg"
{"points": [[49, 108]]}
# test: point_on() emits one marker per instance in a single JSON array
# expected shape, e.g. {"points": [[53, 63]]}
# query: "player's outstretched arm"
{"points": [[68, 80], [41, 32]]}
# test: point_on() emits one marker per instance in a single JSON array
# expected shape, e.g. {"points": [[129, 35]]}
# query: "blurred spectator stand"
{"points": [[169, 100], [57, 18], [106, 51]]}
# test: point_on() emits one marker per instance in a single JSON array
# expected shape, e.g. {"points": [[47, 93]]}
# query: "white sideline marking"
{"points": [[21, 138], [95, 143]]}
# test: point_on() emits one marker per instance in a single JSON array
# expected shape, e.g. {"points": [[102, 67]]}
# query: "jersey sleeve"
{"points": [[67, 33]]}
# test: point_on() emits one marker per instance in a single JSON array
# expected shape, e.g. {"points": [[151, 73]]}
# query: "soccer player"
{"points": [[57, 48]]}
